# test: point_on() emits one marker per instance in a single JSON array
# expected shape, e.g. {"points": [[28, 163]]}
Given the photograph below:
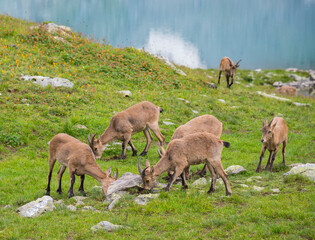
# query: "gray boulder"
{"points": [[107, 226], [234, 169], [126, 181], [307, 170], [37, 207], [200, 181], [45, 81], [144, 199], [125, 93]]}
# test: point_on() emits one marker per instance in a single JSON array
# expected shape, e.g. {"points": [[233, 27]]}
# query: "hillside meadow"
{"points": [[31, 115]]}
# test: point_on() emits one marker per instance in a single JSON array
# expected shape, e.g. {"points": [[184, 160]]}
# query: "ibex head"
{"points": [[96, 146], [147, 175]]}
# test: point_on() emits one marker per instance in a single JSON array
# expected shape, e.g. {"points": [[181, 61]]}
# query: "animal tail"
{"points": [[226, 144]]}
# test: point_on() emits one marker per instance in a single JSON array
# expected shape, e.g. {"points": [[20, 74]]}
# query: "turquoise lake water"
{"points": [[196, 33]]}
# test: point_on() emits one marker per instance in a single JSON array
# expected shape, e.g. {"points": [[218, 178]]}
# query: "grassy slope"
{"points": [[32, 115]]}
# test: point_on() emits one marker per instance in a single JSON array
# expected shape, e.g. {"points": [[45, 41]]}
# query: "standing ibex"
{"points": [[143, 116], [205, 123], [229, 68], [273, 134], [192, 149], [80, 160]]}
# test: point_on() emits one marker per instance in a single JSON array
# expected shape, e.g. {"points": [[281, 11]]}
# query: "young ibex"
{"points": [[205, 123], [80, 160], [143, 116], [273, 134], [229, 68], [192, 149]]}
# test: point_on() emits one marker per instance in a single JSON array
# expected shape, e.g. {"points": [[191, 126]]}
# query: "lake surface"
{"points": [[196, 33]]}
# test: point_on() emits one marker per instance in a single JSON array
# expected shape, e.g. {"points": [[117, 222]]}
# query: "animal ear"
{"points": [[265, 122], [147, 163]]}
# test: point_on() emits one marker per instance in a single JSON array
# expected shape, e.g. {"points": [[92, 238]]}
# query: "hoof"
{"points": [[166, 189], [257, 170], [83, 193], [47, 193], [60, 192], [228, 193], [143, 153], [122, 157], [134, 154], [211, 191], [184, 187], [70, 195]]}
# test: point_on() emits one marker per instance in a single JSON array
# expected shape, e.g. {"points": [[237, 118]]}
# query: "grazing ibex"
{"points": [[192, 149], [229, 68], [80, 160], [273, 134], [205, 123], [143, 116]]}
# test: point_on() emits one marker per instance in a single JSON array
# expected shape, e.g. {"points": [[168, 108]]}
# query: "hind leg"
{"points": [[155, 129], [219, 76], [227, 81], [134, 150], [126, 140], [149, 138], [60, 173], [213, 177], [283, 152], [217, 165], [72, 181], [268, 163], [51, 161], [183, 175]]}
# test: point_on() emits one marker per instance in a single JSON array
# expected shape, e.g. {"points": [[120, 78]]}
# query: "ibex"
{"points": [[80, 160], [229, 68], [143, 116], [192, 149], [205, 123], [273, 134]]}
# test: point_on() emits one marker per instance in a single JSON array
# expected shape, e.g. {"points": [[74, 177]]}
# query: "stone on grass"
{"points": [[234, 169], [295, 164], [144, 199], [107, 226], [244, 185], [275, 190], [89, 208], [114, 198], [168, 123], [45, 81], [200, 181], [126, 181], [71, 208], [307, 170], [113, 203], [259, 189], [37, 207], [184, 100], [221, 100], [125, 93], [158, 187], [254, 178], [80, 126], [194, 111]]}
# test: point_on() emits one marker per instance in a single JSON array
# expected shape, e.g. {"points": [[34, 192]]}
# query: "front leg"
{"points": [[268, 163], [124, 145], [231, 82], [273, 158], [263, 149], [227, 80]]}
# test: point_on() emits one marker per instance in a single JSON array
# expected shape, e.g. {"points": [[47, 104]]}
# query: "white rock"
{"points": [[244, 185], [71, 208], [184, 100], [113, 203], [168, 123], [253, 178], [79, 126], [259, 189], [307, 170], [235, 169], [275, 190], [104, 225], [125, 93], [258, 70], [45, 81], [37, 207], [194, 111], [221, 100], [128, 180], [200, 181], [144, 199], [78, 198]]}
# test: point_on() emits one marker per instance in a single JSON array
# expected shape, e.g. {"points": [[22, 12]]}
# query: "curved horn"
{"points": [[139, 166], [159, 152], [91, 141], [109, 171], [270, 123], [237, 64], [116, 175]]}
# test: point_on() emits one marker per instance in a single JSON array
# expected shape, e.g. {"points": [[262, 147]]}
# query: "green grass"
{"points": [[32, 115]]}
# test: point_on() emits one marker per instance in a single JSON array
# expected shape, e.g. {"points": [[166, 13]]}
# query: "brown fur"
{"points": [[192, 149], [79, 159], [229, 68], [205, 123], [143, 116], [286, 90], [273, 134]]}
